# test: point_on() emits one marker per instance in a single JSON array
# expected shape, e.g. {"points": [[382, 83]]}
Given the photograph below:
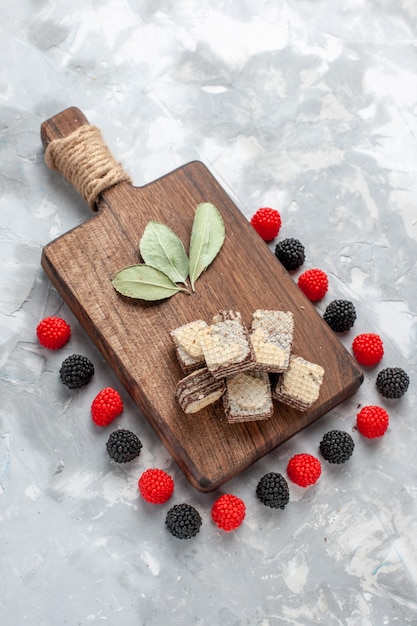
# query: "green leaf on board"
{"points": [[207, 237], [145, 283], [162, 249]]}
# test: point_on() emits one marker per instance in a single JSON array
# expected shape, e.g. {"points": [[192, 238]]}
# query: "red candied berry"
{"points": [[228, 512], [304, 469], [372, 421], [314, 284], [267, 223], [368, 348], [156, 486], [106, 406], [53, 332]]}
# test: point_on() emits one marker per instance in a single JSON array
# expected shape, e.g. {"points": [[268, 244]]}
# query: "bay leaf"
{"points": [[162, 249], [145, 283], [207, 237]]}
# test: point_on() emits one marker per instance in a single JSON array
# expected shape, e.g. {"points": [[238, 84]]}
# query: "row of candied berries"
{"points": [[228, 511], [123, 446], [340, 315], [155, 485], [368, 349]]}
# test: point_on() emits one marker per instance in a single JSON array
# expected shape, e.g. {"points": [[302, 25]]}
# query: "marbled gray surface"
{"points": [[309, 107]]}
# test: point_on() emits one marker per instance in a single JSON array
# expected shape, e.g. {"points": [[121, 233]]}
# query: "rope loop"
{"points": [[85, 161]]}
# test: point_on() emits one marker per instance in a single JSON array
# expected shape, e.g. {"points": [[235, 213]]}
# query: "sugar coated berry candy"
{"points": [[290, 253], [106, 406], [272, 490], [340, 315], [76, 371], [156, 486], [183, 521], [123, 446], [372, 421], [314, 284], [392, 382], [368, 349], [53, 332], [267, 223], [337, 446], [304, 469], [228, 512]]}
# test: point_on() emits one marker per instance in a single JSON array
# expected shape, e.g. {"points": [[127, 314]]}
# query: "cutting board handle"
{"points": [[77, 150]]}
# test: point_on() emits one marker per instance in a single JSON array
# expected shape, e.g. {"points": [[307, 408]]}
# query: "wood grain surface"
{"points": [[134, 338]]}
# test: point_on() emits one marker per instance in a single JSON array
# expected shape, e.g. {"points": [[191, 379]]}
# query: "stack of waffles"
{"points": [[245, 367]]}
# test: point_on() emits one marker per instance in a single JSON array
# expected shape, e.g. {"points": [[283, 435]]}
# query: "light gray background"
{"points": [[309, 107]]}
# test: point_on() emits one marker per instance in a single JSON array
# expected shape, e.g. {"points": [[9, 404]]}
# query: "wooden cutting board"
{"points": [[133, 336]]}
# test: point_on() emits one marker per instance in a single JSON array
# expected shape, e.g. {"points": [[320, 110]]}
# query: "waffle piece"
{"points": [[226, 345], [198, 390], [222, 316], [248, 397], [187, 345], [271, 337], [299, 386]]}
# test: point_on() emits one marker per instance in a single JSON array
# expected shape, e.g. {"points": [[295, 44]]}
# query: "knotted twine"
{"points": [[85, 161]]}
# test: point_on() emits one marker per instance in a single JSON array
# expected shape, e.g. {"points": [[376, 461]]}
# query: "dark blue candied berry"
{"points": [[76, 371], [340, 315], [123, 446], [392, 382], [183, 521], [272, 490], [337, 446], [290, 253]]}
